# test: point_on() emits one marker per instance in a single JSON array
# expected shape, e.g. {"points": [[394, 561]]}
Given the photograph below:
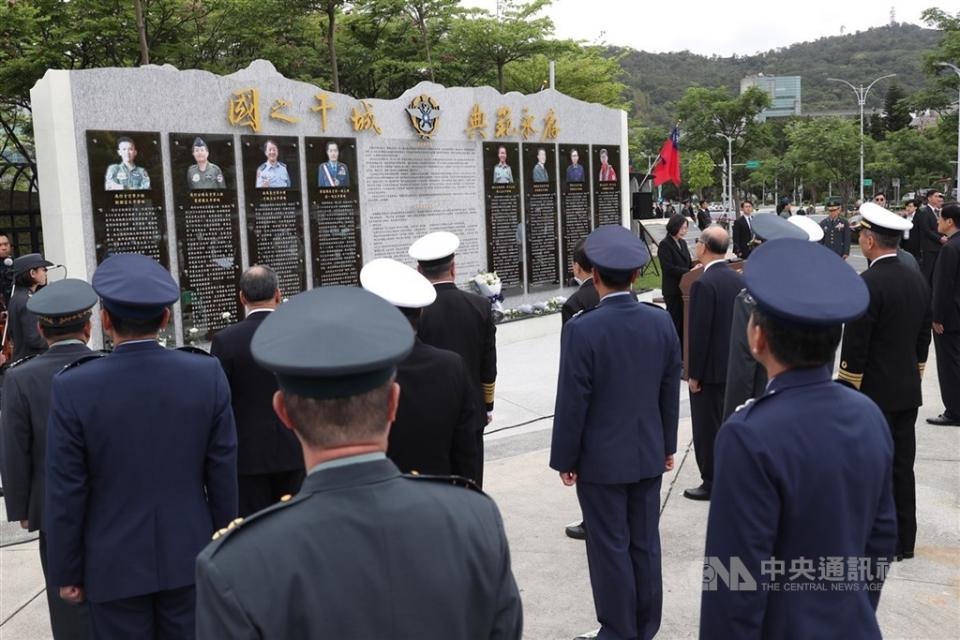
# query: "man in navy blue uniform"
{"points": [[141, 464], [712, 298], [802, 523], [615, 433]]}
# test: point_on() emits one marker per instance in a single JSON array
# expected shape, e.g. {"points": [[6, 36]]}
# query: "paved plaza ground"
{"points": [[921, 598]]}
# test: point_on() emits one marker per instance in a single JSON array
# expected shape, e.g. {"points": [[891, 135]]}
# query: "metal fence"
{"points": [[20, 207]]}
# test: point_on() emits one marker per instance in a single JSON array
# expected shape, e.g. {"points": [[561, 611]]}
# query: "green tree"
{"points": [[484, 42], [581, 72], [876, 126], [826, 149], [700, 172], [896, 110], [704, 113]]}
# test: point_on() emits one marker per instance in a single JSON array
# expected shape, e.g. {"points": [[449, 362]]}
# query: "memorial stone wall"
{"points": [[210, 174]]}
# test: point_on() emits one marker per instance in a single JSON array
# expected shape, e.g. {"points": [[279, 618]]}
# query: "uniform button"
{"points": [[414, 472], [285, 498]]}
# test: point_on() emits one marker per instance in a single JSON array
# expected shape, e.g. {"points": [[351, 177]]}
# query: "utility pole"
{"points": [[861, 94], [729, 140], [956, 70]]}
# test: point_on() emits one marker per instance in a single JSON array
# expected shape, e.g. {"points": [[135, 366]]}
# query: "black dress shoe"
{"points": [[906, 555], [700, 493], [576, 531], [943, 420]]}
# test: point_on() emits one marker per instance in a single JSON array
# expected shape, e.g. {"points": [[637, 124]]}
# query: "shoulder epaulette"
{"points": [[221, 535], [582, 312], [96, 355], [197, 350], [19, 362], [457, 481], [752, 403]]}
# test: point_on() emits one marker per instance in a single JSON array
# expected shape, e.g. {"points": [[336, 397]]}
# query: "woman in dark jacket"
{"points": [[674, 262]]}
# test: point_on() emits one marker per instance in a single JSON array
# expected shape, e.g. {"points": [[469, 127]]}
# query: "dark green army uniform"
{"points": [[120, 177], [209, 178]]}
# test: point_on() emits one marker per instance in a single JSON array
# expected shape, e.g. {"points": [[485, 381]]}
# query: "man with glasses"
{"points": [[881, 200], [925, 226], [836, 230]]}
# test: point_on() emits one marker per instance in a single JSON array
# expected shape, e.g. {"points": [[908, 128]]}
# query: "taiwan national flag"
{"points": [[668, 167]]}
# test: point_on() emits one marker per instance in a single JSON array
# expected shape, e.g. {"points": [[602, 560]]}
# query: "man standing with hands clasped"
{"points": [[946, 316], [615, 433]]}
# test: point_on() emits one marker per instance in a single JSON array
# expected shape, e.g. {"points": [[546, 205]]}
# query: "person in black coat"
{"points": [[435, 429], [704, 219], [925, 226], [586, 296], [362, 551], [269, 458], [743, 231], [30, 273], [946, 317], [63, 311], [459, 321], [675, 261], [884, 352], [911, 238], [711, 315]]}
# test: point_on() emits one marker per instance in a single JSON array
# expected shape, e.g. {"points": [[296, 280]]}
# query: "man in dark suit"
{"points": [[803, 473], [586, 296], [885, 350], [269, 458], [615, 433], [711, 313], [930, 238], [911, 237], [743, 231], [141, 463], [704, 219], [459, 321], [946, 317], [362, 551], [63, 313], [435, 429]]}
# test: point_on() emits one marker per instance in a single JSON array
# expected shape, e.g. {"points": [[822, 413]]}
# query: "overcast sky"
{"points": [[721, 27]]}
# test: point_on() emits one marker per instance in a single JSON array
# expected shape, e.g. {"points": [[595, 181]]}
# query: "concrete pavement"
{"points": [[921, 599]]}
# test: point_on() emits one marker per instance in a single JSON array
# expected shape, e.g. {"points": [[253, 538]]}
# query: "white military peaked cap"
{"points": [[881, 220], [434, 246], [398, 284], [811, 228]]}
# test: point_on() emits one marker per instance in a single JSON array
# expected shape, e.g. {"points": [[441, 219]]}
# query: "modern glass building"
{"points": [[784, 92]]}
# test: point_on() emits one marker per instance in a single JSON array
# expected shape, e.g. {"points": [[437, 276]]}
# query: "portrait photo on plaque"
{"points": [[539, 161], [331, 162], [574, 163], [500, 162], [606, 162], [125, 160], [203, 161], [271, 162]]}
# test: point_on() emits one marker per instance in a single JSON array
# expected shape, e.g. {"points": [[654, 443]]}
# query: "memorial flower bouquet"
{"points": [[489, 286]]}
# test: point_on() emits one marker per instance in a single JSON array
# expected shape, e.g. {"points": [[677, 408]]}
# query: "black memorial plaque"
{"points": [[207, 220], [540, 205], [607, 203], [271, 177], [574, 201], [334, 210], [126, 188], [501, 166]]}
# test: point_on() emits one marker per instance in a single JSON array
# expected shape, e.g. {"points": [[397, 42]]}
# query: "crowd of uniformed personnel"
{"points": [[348, 422]]}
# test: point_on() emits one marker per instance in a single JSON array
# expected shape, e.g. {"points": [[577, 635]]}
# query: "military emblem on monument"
{"points": [[425, 115]]}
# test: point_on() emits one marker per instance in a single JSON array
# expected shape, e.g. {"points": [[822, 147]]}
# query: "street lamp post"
{"points": [[729, 140], [861, 94], [956, 70]]}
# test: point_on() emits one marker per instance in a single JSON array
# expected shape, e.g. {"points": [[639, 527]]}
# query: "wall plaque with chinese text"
{"points": [[501, 166], [574, 201], [540, 208], [607, 200], [334, 198]]}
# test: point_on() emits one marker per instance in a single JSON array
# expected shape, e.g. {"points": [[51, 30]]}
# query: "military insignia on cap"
{"points": [[424, 114]]}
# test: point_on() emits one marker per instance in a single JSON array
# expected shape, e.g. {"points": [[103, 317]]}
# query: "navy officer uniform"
{"points": [[746, 379], [802, 493], [141, 464], [884, 353], [63, 311], [459, 321], [361, 551], [434, 432], [615, 432]]}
